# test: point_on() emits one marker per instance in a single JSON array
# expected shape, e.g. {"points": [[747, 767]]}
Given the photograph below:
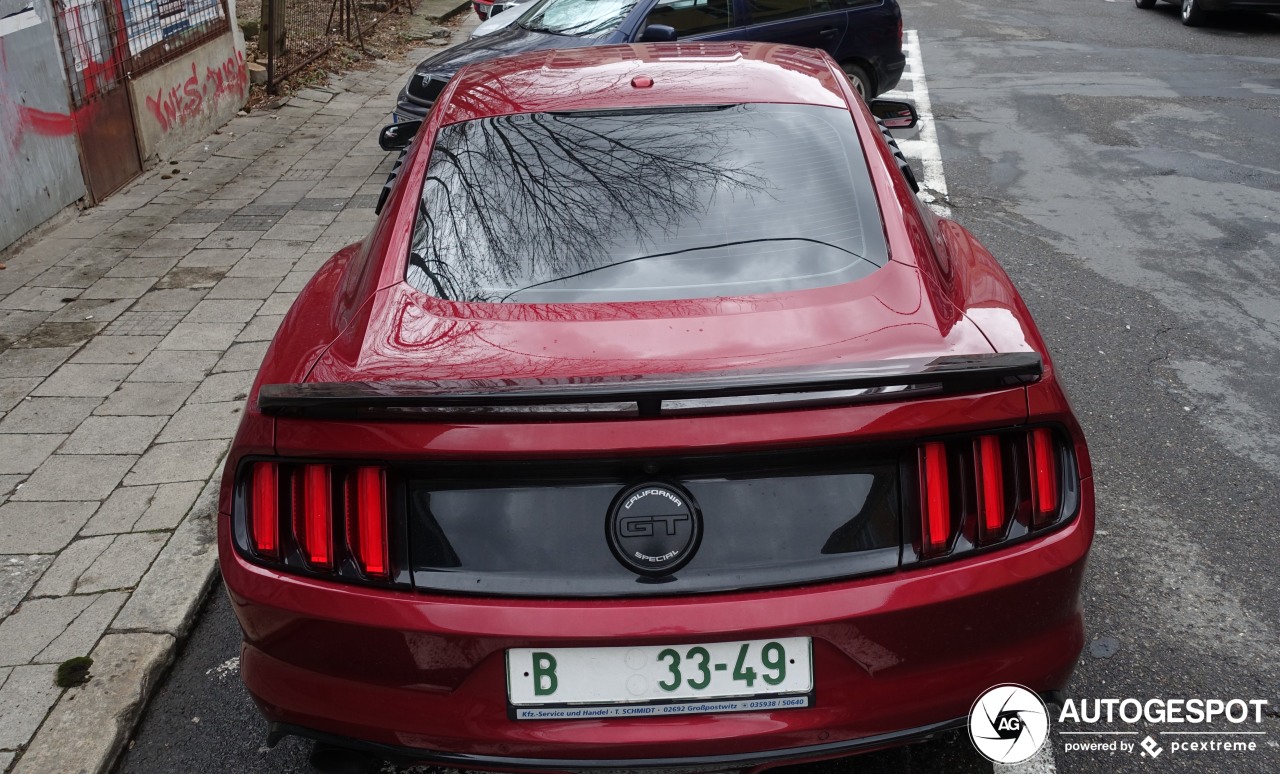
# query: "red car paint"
{"points": [[422, 674]]}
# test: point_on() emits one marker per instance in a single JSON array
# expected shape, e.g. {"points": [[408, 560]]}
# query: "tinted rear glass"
{"points": [[581, 18], [645, 205]]}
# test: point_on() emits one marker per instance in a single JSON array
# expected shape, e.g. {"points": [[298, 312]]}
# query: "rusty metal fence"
{"points": [[295, 33]]}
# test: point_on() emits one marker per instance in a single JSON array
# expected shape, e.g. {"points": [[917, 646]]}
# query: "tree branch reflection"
{"points": [[528, 198]]}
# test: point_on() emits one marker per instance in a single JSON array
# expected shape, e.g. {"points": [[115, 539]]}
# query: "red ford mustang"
{"points": [[656, 424]]}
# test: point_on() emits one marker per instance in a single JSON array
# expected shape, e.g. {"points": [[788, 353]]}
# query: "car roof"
{"points": [[611, 77]]}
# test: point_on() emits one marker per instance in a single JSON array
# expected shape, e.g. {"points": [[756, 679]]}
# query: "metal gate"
{"points": [[94, 53]]}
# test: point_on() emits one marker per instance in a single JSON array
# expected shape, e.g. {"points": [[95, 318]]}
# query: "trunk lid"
{"points": [[405, 335]]}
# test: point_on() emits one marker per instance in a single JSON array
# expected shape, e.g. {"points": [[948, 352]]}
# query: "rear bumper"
{"points": [[890, 73], [896, 657], [710, 763]]}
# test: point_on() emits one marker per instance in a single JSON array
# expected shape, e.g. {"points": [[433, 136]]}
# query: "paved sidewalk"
{"points": [[128, 340]]}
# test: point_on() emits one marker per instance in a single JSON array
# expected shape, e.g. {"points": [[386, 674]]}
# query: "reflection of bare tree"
{"points": [[528, 198]]}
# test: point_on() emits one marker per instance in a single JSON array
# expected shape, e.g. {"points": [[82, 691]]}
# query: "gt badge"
{"points": [[654, 529]]}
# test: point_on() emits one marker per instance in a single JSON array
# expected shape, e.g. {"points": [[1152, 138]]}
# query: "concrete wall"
{"points": [[39, 163], [185, 100]]}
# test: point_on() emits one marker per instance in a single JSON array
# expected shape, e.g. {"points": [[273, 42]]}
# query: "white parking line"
{"points": [[924, 147], [933, 190]]}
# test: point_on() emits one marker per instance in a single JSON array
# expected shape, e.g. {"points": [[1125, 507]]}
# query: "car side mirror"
{"points": [[398, 136], [894, 114], [658, 33]]}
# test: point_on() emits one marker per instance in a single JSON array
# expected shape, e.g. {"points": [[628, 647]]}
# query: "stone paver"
{"points": [[24, 453], [84, 632], [246, 356], [169, 300], [129, 340], [100, 309], [37, 361], [87, 727], [224, 310], [60, 580], [123, 563], [175, 366], [166, 598], [243, 288], [36, 625], [116, 349], [81, 380], [113, 435], [116, 287], [47, 415], [13, 390], [147, 399], [261, 328], [201, 335], [17, 575], [26, 695], [222, 387], [136, 508], [182, 461], [203, 422], [76, 477], [41, 528]]}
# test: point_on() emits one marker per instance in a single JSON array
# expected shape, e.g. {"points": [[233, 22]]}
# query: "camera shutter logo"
{"points": [[1008, 724]]}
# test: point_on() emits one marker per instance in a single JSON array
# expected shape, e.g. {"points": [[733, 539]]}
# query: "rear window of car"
{"points": [[640, 205], [580, 18]]}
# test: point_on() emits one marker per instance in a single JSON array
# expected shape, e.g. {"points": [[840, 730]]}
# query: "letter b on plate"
{"points": [[544, 674]]}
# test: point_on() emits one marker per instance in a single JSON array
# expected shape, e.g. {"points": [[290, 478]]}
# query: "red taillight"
{"points": [[989, 489], [989, 486], [319, 499], [367, 519], [935, 498], [265, 507], [1044, 476], [313, 514]]}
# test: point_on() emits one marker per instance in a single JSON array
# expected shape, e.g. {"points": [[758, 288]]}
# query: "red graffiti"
{"points": [[179, 104], [44, 123], [16, 121]]}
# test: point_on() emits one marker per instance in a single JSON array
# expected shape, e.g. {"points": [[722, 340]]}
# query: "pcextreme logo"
{"points": [[1008, 723]]}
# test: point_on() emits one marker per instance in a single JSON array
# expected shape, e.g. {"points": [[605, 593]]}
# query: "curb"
{"points": [[465, 5], [90, 725]]}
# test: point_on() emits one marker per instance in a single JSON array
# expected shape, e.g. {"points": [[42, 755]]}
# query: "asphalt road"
{"points": [[1124, 168], [1126, 171]]}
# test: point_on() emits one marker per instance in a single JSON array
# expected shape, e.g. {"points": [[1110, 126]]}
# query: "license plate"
{"points": [[653, 680]]}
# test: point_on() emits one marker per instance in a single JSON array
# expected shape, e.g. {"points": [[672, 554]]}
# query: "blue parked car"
{"points": [[864, 36]]}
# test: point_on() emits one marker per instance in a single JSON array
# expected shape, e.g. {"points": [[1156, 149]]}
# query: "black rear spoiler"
{"points": [[655, 395]]}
